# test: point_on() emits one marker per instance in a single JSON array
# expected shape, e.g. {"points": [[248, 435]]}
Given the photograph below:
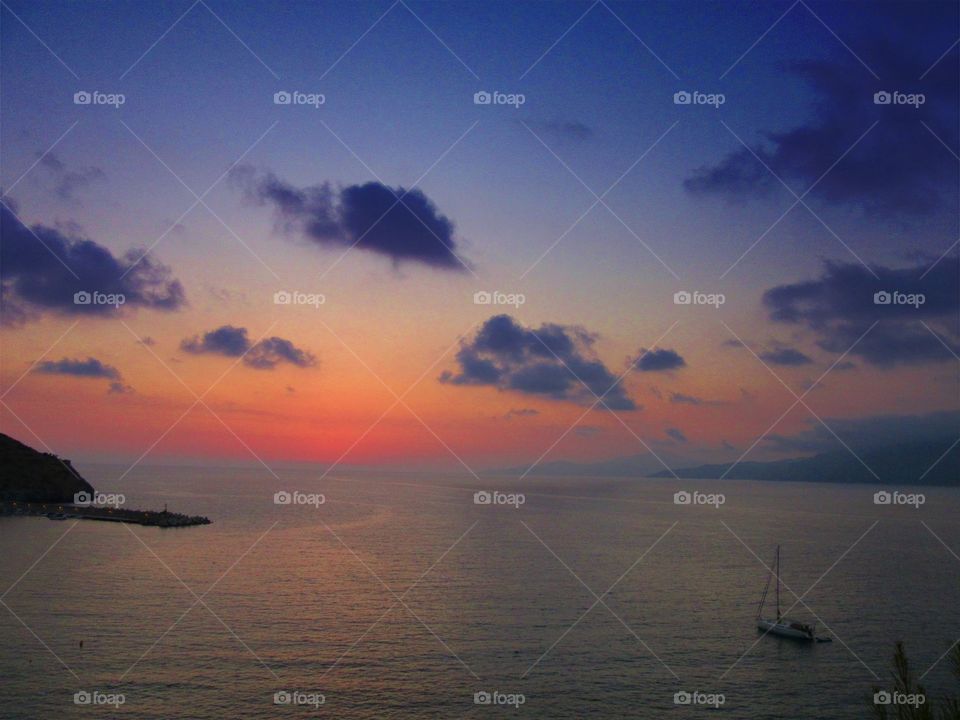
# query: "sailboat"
{"points": [[782, 626]]}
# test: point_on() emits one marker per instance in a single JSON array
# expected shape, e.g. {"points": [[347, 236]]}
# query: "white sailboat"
{"points": [[782, 626]]}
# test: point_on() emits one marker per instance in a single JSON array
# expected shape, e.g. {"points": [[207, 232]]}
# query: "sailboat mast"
{"points": [[778, 583]]}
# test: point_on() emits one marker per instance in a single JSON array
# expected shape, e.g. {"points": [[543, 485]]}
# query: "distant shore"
{"points": [[66, 511]]}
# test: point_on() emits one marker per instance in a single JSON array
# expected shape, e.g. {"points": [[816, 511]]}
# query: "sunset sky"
{"points": [[493, 197]]}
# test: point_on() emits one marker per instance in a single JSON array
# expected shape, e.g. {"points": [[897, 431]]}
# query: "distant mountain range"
{"points": [[632, 466], [907, 463], [902, 464]]}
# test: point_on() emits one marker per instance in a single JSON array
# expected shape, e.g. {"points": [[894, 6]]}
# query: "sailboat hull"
{"points": [[784, 630]]}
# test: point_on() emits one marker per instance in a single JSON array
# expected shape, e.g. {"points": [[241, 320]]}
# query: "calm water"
{"points": [[306, 598]]}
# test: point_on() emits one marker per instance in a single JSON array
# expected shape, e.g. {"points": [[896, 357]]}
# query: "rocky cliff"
{"points": [[31, 476]]}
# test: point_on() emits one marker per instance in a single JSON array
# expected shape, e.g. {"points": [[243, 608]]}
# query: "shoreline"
{"points": [[66, 511]]}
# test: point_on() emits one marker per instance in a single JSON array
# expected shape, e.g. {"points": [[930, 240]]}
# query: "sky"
{"points": [[188, 201]]}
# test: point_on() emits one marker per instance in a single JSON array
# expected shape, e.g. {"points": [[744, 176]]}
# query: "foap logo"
{"points": [[895, 297], [494, 497], [885, 697], [282, 497], [495, 697], [84, 297], [898, 498], [283, 297], [95, 97], [895, 97], [482, 297], [295, 97], [686, 297], [696, 697], [498, 98], [683, 97], [96, 697], [299, 697], [98, 499], [684, 497]]}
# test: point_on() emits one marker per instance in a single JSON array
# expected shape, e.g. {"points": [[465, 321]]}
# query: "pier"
{"points": [[66, 511]]}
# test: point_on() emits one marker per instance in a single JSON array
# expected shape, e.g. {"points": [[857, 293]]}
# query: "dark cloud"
{"points": [[225, 340], [231, 341], [865, 434], [89, 368], [368, 217], [899, 167], [269, 352], [67, 182], [840, 306], [790, 357], [555, 361], [38, 279], [658, 360], [676, 434]]}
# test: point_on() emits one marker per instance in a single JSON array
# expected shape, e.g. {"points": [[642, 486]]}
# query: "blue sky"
{"points": [[598, 81]]}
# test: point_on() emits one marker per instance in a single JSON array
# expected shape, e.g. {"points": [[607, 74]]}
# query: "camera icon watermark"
{"points": [[96, 697], [295, 297], [95, 97], [896, 497], [283, 497], [895, 97], [695, 97], [885, 697], [895, 297], [495, 497], [299, 698], [695, 297], [714, 700], [483, 297], [685, 497], [295, 97], [496, 97], [98, 499], [84, 297], [495, 697]]}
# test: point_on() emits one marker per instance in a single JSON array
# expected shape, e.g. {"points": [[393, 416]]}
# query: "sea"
{"points": [[440, 596]]}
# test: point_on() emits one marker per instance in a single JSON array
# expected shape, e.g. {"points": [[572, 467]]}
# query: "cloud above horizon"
{"points": [[91, 367], [658, 360], [403, 225], [67, 182], [786, 356], [677, 435], [230, 341], [684, 399], [44, 269], [899, 167], [868, 433], [841, 304], [554, 361]]}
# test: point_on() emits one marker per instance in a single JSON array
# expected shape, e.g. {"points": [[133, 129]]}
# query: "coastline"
{"points": [[66, 511]]}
